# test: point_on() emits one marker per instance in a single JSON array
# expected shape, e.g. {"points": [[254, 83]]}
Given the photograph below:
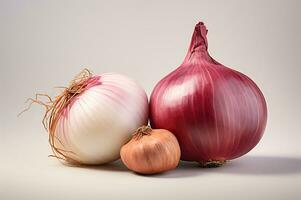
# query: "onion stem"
{"points": [[142, 131]]}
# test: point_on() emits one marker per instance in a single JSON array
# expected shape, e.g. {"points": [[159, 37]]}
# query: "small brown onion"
{"points": [[151, 151]]}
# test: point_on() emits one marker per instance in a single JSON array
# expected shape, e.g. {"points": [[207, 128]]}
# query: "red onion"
{"points": [[216, 113]]}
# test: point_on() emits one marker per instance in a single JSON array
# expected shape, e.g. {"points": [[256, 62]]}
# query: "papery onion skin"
{"points": [[216, 113], [153, 152], [97, 122]]}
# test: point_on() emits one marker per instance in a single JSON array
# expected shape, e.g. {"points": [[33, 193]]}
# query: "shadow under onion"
{"points": [[264, 165], [116, 166], [247, 165]]}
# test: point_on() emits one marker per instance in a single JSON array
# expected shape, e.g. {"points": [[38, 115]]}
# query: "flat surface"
{"points": [[30, 174], [43, 44]]}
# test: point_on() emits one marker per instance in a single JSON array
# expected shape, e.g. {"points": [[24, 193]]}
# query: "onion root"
{"points": [[55, 106], [212, 163]]}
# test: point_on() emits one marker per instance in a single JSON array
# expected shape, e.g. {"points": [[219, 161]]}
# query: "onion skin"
{"points": [[216, 113], [92, 128], [155, 152]]}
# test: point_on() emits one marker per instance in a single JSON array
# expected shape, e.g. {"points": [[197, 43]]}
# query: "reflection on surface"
{"points": [[174, 94], [264, 165], [247, 165]]}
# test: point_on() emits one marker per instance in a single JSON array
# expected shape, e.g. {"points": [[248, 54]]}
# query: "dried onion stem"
{"points": [[142, 131], [55, 106]]}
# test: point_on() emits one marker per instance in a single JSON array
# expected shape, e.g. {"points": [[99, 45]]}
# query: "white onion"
{"points": [[97, 122]]}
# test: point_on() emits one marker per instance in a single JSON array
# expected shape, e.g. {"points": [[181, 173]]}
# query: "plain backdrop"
{"points": [[43, 44]]}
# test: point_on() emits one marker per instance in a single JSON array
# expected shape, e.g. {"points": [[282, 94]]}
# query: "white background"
{"points": [[45, 43]]}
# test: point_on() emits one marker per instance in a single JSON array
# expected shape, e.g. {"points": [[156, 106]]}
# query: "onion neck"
{"points": [[142, 131], [199, 43], [198, 49]]}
